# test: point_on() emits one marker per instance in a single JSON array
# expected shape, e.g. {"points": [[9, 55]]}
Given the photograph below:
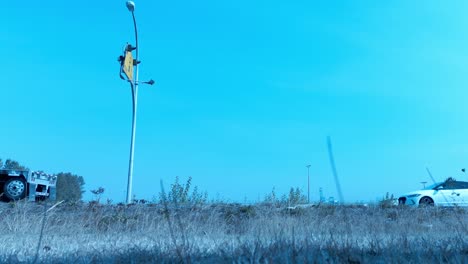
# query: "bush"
{"points": [[181, 193], [387, 201], [294, 197]]}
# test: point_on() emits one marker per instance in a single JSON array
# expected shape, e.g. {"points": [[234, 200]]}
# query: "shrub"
{"points": [[387, 201], [182, 194]]}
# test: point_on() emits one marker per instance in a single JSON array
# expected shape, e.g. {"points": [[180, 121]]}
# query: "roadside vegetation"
{"points": [[182, 227], [230, 233]]}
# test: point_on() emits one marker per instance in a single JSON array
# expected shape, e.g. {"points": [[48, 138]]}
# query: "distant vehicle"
{"points": [[19, 184], [447, 193]]}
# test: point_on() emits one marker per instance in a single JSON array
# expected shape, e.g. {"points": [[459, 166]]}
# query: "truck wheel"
{"points": [[15, 189]]}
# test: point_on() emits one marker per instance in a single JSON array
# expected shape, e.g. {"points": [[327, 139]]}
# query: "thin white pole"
{"points": [[134, 86]]}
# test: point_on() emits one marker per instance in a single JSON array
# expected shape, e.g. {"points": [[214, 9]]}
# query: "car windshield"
{"points": [[432, 186]]}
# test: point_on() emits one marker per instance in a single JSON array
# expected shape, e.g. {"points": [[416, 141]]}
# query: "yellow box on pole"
{"points": [[128, 65]]}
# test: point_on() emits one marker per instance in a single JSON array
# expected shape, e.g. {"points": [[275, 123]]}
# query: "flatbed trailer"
{"points": [[33, 185]]}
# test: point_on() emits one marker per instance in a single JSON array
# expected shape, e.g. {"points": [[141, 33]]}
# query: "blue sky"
{"points": [[246, 94]]}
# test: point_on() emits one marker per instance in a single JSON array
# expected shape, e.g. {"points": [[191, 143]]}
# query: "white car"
{"points": [[448, 193]]}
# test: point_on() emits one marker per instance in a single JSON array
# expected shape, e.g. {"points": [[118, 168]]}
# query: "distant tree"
{"points": [[12, 165], [70, 187], [296, 197]]}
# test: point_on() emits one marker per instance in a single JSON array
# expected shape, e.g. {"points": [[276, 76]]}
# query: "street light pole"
{"points": [[134, 86], [127, 67], [308, 184]]}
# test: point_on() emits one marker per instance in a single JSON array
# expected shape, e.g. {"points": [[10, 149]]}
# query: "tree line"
{"points": [[70, 187]]}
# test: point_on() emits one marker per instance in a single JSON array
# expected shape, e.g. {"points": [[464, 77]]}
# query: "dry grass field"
{"points": [[230, 233]]}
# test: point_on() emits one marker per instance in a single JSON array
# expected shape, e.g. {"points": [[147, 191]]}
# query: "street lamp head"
{"points": [[131, 6]]}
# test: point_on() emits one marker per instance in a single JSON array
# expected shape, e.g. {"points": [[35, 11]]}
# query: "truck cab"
{"points": [[19, 184]]}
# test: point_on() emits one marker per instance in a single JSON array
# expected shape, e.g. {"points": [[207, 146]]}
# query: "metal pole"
{"points": [[308, 184], [424, 184], [134, 86]]}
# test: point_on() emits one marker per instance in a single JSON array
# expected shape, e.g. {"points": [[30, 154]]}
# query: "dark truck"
{"points": [[19, 184]]}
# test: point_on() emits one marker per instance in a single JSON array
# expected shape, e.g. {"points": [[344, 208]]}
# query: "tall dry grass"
{"points": [[231, 233]]}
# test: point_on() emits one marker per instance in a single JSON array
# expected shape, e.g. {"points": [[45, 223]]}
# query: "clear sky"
{"points": [[246, 94]]}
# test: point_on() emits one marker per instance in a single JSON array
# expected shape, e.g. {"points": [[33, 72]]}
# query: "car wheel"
{"points": [[426, 201], [15, 189]]}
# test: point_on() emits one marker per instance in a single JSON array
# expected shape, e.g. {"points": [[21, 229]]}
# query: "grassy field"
{"points": [[231, 233]]}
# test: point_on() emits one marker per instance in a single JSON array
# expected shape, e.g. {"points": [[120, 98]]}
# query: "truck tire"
{"points": [[15, 189]]}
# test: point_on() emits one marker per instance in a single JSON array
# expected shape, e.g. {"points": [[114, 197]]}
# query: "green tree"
{"points": [[12, 165], [296, 197], [70, 187]]}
